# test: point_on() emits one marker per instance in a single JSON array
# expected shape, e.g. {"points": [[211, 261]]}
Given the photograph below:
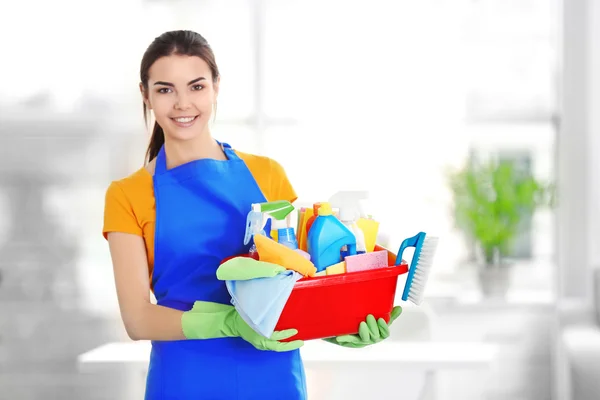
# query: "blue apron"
{"points": [[201, 210]]}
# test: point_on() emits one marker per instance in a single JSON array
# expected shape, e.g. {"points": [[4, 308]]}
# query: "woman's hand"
{"points": [[208, 320], [369, 332]]}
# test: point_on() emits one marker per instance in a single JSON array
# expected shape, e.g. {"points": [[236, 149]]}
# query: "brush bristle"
{"points": [[422, 269]]}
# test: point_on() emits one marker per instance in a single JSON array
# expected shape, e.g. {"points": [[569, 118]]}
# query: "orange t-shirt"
{"points": [[130, 207]]}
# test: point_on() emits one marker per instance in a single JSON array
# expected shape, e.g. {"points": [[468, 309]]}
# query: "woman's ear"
{"points": [[145, 97]]}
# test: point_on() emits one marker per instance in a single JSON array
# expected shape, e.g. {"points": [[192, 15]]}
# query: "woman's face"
{"points": [[182, 94]]}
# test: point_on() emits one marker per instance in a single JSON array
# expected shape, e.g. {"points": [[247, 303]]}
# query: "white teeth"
{"points": [[184, 120]]}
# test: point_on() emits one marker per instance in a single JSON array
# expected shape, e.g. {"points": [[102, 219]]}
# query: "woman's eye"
{"points": [[163, 90], [197, 87]]}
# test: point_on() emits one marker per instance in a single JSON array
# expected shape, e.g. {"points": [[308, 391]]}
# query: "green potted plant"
{"points": [[490, 200]]}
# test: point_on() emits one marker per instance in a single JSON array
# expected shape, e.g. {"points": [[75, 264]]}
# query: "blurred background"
{"points": [[473, 120]]}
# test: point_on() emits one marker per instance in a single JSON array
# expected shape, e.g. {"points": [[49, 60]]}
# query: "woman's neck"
{"points": [[180, 152]]}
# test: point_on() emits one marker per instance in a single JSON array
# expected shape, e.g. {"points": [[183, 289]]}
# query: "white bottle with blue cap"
{"points": [[350, 210]]}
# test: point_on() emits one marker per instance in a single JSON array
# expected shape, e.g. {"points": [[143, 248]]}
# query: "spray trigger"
{"points": [[253, 225]]}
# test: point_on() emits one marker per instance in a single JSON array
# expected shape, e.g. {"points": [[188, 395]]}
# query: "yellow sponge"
{"points": [[276, 253], [339, 268], [302, 233]]}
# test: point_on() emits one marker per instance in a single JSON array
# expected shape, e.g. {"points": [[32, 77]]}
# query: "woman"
{"points": [[171, 223]]}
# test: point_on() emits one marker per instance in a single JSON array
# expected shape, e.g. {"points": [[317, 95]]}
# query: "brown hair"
{"points": [[185, 43]]}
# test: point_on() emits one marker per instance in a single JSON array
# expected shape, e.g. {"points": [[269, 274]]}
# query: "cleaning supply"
{"points": [[370, 332], [326, 238], [276, 253], [420, 266], [260, 301], [301, 225], [302, 233], [208, 320], [335, 269], [350, 210], [279, 212], [287, 237], [244, 268], [367, 261], [254, 226], [301, 213], [370, 229], [303, 253], [391, 256], [315, 214]]}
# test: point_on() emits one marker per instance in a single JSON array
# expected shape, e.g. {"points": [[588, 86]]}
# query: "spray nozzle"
{"points": [[278, 211], [349, 204]]}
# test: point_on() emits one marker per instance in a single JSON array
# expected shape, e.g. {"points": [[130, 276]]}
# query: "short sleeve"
{"points": [[281, 188], [118, 212]]}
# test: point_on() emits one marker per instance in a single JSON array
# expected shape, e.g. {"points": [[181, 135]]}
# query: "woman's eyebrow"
{"points": [[171, 85]]}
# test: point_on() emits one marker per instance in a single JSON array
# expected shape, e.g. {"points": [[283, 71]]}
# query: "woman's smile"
{"points": [[184, 122]]}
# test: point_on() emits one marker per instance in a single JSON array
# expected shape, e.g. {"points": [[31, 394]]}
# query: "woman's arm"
{"points": [[143, 320]]}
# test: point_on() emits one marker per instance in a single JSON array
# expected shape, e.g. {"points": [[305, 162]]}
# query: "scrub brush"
{"points": [[420, 265]]}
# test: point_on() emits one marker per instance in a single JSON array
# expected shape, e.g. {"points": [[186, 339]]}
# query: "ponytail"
{"points": [[156, 140]]}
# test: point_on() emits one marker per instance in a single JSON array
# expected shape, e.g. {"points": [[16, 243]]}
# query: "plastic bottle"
{"points": [[311, 220], [253, 227], [326, 238], [287, 237], [266, 216], [370, 228], [358, 234], [348, 203]]}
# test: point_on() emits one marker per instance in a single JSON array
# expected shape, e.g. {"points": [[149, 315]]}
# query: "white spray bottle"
{"points": [[350, 210]]}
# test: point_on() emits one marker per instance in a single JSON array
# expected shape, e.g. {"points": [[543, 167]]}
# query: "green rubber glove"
{"points": [[244, 268], [369, 332], [208, 320]]}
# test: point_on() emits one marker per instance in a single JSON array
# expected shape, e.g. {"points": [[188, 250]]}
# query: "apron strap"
{"points": [[161, 162], [229, 152]]}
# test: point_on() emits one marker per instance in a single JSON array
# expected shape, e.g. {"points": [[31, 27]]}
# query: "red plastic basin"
{"points": [[335, 305]]}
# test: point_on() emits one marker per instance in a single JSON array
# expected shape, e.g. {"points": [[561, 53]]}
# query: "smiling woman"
{"points": [[174, 220]]}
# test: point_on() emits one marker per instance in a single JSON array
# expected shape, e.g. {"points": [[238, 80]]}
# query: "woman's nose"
{"points": [[183, 102]]}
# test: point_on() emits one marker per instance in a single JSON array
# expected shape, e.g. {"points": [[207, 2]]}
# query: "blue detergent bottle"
{"points": [[326, 238]]}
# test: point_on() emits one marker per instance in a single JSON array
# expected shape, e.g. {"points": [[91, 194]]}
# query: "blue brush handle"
{"points": [[416, 242], [406, 243]]}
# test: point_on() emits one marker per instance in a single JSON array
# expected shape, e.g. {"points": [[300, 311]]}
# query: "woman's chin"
{"points": [[187, 133]]}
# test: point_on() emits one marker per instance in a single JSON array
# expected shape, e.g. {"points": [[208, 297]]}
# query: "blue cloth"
{"points": [[201, 210], [260, 301]]}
